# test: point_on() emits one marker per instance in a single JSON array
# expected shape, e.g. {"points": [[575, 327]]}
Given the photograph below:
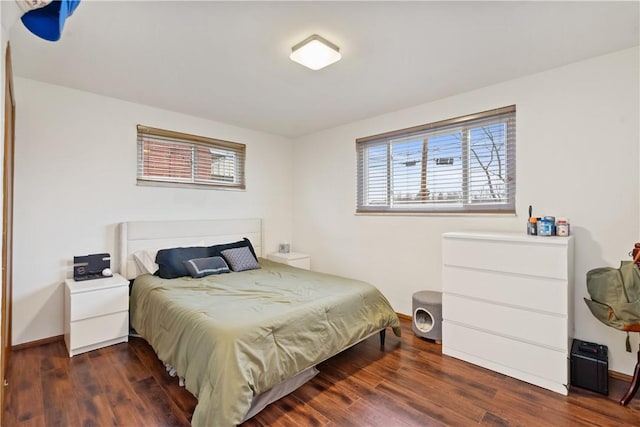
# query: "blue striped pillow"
{"points": [[201, 267]]}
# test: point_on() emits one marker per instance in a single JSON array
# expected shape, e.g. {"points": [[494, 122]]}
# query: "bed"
{"points": [[241, 340]]}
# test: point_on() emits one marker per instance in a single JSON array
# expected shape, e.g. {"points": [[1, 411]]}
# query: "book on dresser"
{"points": [[507, 304]]}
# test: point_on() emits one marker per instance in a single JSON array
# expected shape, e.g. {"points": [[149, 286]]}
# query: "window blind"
{"points": [[180, 159], [465, 164]]}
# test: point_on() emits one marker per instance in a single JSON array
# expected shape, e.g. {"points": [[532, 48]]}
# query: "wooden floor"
{"points": [[409, 383]]}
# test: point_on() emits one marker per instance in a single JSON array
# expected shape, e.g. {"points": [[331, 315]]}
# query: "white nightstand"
{"points": [[294, 259], [96, 313]]}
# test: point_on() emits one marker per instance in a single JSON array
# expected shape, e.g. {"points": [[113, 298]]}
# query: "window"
{"points": [[176, 159], [466, 164]]}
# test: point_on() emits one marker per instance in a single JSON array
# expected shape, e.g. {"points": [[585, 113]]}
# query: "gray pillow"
{"points": [[201, 267], [240, 259]]}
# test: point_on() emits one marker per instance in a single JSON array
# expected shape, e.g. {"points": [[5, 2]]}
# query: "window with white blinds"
{"points": [[180, 159], [465, 164]]}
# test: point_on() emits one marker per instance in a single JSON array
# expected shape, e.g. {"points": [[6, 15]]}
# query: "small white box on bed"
{"points": [[294, 259], [96, 313]]}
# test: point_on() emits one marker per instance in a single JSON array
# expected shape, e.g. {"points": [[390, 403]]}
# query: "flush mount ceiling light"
{"points": [[315, 52]]}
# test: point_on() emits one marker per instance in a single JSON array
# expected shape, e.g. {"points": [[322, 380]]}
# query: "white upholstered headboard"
{"points": [[153, 235]]}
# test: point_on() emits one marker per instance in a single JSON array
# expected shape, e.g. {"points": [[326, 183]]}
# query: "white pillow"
{"points": [[146, 261]]}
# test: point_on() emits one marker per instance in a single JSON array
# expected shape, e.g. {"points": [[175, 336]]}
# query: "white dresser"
{"points": [[96, 313], [507, 304]]}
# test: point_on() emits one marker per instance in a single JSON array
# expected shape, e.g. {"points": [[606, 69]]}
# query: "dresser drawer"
{"points": [[519, 257], [99, 302], [537, 365], [534, 327], [531, 292], [301, 263], [98, 329], [294, 259]]}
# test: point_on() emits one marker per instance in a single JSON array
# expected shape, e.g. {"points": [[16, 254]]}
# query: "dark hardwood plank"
{"points": [[59, 406], [179, 396], [408, 383], [330, 399], [25, 396], [369, 414], [128, 408]]}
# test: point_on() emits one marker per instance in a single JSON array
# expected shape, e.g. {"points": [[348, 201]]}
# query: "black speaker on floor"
{"points": [[590, 366]]}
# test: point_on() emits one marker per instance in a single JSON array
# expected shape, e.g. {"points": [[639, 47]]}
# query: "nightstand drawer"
{"points": [[99, 302], [294, 259], [98, 329], [300, 263]]}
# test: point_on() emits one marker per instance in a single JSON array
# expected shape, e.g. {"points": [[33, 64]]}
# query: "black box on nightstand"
{"points": [[590, 366]]}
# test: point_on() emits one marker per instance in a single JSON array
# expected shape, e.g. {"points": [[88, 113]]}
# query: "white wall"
{"points": [[75, 179], [577, 157]]}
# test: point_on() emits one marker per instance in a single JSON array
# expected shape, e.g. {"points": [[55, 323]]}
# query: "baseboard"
{"points": [[37, 343], [405, 316], [620, 376]]}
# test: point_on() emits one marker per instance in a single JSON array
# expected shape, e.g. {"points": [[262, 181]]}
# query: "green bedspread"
{"points": [[236, 335]]}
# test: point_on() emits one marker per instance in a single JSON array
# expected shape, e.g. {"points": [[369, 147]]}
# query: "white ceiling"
{"points": [[228, 61]]}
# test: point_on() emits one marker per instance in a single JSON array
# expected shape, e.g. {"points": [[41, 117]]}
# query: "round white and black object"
{"points": [[427, 315]]}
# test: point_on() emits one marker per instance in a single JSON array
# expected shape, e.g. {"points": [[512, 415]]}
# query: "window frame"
{"points": [[466, 205], [188, 142]]}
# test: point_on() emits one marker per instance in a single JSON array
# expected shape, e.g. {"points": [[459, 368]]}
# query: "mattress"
{"points": [[235, 336]]}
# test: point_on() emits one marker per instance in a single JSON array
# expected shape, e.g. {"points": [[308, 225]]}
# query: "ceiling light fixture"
{"points": [[315, 52]]}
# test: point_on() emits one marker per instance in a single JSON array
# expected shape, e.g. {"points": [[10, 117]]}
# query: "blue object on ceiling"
{"points": [[47, 22]]}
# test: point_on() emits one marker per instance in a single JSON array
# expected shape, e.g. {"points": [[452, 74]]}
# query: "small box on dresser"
{"points": [[507, 302], [96, 313]]}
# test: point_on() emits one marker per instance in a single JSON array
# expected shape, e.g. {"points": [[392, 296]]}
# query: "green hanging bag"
{"points": [[615, 296]]}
